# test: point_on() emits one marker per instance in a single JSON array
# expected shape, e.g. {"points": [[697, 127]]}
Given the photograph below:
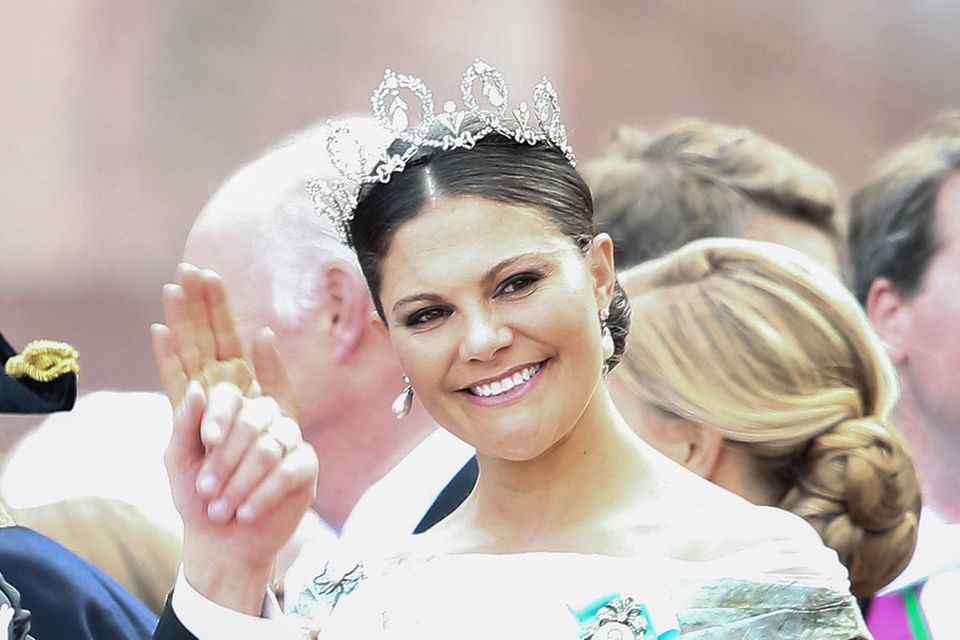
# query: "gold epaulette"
{"points": [[43, 361]]}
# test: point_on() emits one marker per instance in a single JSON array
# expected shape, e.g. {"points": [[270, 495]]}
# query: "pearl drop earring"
{"points": [[403, 403]]}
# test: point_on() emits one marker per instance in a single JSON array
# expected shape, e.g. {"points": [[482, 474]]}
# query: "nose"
{"points": [[485, 336]]}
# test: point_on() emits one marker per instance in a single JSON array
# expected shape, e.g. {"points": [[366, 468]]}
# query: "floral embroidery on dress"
{"points": [[325, 590]]}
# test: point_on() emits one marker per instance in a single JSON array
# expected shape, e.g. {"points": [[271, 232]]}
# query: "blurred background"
{"points": [[120, 118]]}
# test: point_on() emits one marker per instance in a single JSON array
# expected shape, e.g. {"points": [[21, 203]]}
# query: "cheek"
{"points": [[640, 423], [569, 306], [420, 356], [933, 358]]}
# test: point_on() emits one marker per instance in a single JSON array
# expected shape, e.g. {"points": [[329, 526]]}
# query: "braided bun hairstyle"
{"points": [[856, 485], [756, 341]]}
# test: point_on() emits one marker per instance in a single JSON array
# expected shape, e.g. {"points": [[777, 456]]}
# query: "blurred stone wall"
{"points": [[119, 119]]}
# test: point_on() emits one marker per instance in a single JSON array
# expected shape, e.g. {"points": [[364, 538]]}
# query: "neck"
{"points": [[737, 472], [358, 451], [345, 414], [542, 504], [935, 453]]}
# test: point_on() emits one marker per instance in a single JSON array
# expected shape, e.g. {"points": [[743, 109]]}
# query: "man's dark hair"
{"points": [[893, 231]]}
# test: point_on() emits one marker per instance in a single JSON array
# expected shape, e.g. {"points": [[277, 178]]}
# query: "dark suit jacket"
{"points": [[170, 628], [68, 597]]}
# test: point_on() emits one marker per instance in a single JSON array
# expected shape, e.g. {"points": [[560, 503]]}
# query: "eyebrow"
{"points": [[488, 277]]}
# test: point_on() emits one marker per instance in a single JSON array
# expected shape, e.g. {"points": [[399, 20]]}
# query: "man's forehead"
{"points": [[948, 207]]}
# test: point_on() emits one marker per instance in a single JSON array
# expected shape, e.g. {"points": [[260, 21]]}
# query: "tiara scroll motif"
{"points": [[337, 198]]}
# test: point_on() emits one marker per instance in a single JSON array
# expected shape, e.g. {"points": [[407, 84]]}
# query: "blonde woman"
{"points": [[756, 369]]}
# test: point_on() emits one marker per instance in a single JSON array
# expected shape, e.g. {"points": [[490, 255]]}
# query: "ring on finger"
{"points": [[287, 434]]}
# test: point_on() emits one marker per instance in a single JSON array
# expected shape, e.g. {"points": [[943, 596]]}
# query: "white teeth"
{"points": [[502, 386]]}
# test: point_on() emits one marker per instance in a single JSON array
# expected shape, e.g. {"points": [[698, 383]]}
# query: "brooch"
{"points": [[612, 618]]}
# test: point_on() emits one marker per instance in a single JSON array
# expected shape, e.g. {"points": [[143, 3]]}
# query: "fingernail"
{"points": [[207, 483], [246, 513], [212, 433], [219, 509]]}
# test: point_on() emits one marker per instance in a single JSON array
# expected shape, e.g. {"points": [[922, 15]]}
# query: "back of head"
{"points": [[695, 179], [756, 341], [892, 231], [261, 232]]}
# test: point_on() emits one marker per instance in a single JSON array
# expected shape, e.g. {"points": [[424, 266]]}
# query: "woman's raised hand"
{"points": [[240, 474], [241, 478]]}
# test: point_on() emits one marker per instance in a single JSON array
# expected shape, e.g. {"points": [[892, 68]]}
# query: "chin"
{"points": [[516, 455], [518, 447]]}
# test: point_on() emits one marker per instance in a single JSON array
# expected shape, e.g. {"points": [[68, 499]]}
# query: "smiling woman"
{"points": [[475, 234], [521, 297]]}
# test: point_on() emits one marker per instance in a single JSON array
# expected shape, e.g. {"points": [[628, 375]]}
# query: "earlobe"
{"points": [[890, 316], [603, 270]]}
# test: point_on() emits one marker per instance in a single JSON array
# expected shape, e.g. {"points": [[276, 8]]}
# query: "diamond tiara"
{"points": [[337, 199]]}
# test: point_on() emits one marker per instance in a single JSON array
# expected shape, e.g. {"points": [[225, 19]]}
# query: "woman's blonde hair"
{"points": [[756, 341]]}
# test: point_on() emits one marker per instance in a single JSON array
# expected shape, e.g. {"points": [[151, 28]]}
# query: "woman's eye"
{"points": [[518, 283], [425, 316]]}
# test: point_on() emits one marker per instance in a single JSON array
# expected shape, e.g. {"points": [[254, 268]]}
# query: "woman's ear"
{"points": [[704, 447], [689, 443], [603, 270]]}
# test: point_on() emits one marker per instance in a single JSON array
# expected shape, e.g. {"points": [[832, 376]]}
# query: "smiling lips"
{"points": [[504, 385]]}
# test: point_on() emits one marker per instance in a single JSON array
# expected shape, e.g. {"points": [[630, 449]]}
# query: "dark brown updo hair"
{"points": [[497, 168]]}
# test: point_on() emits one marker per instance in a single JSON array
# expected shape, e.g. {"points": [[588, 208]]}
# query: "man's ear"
{"points": [[346, 304], [890, 315], [603, 270]]}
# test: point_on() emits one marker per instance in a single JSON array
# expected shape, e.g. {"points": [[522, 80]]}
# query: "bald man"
{"points": [[283, 268]]}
